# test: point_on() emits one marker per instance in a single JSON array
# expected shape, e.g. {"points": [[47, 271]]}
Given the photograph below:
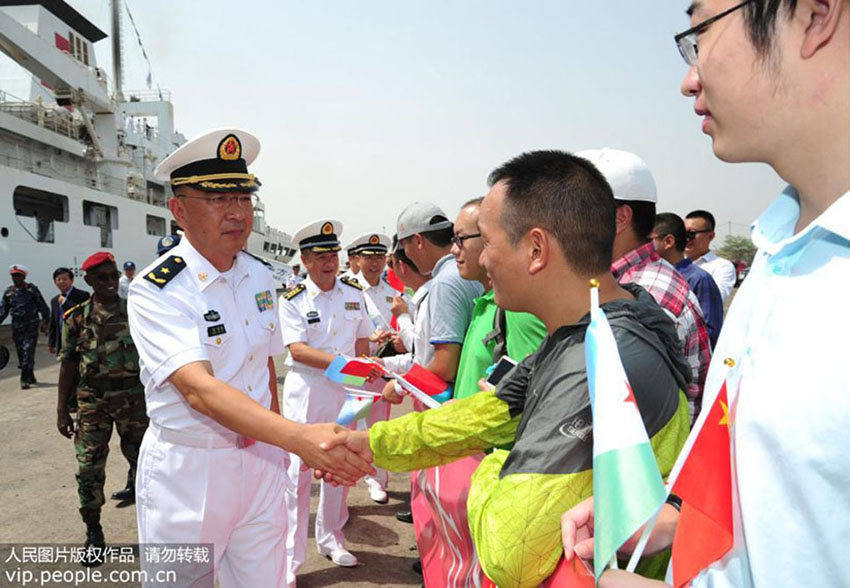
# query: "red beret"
{"points": [[96, 259]]}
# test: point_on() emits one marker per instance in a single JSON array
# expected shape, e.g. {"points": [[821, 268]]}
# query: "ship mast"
{"points": [[117, 55]]}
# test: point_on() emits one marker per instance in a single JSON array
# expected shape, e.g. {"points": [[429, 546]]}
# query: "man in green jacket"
{"points": [[547, 226]]}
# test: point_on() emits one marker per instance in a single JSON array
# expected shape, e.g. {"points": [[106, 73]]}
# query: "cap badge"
{"points": [[229, 149], [327, 228], [374, 240]]}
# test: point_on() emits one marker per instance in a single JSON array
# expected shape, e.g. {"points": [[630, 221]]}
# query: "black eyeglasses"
{"points": [[458, 240], [687, 41], [691, 235]]}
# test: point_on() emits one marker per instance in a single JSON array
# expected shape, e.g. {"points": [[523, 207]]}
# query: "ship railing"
{"points": [[147, 95], [52, 117]]}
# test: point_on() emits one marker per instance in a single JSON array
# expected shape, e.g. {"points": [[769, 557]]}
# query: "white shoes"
{"points": [[342, 557], [378, 494]]}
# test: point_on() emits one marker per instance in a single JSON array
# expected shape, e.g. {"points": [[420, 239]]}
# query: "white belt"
{"points": [[213, 440]]}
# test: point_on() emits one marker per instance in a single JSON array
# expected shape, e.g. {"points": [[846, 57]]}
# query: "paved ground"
{"points": [[38, 497]]}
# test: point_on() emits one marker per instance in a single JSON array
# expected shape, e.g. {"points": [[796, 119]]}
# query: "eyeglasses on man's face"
{"points": [[686, 41], [691, 235], [224, 201], [458, 240]]}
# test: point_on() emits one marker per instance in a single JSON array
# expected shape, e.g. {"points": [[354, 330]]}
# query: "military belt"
{"points": [[111, 384]]}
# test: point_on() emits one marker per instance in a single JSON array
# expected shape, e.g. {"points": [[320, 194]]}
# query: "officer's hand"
{"points": [[398, 307], [65, 423], [323, 447], [390, 395], [356, 441], [398, 344]]}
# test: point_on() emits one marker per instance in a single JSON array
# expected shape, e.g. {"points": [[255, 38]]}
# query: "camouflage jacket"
{"points": [[98, 338], [24, 304]]}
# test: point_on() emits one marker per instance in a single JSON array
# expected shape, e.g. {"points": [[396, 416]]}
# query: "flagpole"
{"points": [[594, 297], [644, 538]]}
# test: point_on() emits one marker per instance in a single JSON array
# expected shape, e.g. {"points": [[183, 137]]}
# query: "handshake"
{"points": [[337, 454]]}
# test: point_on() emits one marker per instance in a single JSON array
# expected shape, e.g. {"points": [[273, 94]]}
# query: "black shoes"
{"points": [[405, 516], [128, 494], [94, 550]]}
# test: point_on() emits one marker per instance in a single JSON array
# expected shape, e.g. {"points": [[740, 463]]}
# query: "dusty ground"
{"points": [[38, 496]]}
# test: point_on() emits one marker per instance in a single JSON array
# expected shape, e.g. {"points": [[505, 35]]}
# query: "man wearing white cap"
{"points": [[24, 302], [204, 321], [322, 317], [636, 258]]}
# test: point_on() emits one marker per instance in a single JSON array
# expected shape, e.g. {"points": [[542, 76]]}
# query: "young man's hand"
{"points": [[356, 442], [323, 448]]}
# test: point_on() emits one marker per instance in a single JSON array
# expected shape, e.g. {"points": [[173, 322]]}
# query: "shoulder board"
{"points": [[294, 291], [165, 272], [351, 282], [73, 309], [258, 258]]}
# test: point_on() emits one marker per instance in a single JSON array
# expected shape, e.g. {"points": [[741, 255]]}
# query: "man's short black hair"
{"points": [[643, 216], [400, 255], [667, 223], [704, 215], [63, 270], [565, 195], [440, 237]]}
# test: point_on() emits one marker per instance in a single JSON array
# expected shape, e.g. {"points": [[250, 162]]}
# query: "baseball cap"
{"points": [[129, 265], [421, 217], [627, 174]]}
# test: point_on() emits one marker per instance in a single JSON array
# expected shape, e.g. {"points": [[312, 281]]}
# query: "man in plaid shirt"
{"points": [[636, 259]]}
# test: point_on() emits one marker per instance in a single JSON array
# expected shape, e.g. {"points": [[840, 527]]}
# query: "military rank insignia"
{"points": [[389, 299], [312, 317], [216, 330], [212, 316], [352, 306], [165, 272], [264, 300]]}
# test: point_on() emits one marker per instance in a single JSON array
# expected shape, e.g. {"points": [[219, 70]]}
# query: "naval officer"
{"points": [[321, 317], [204, 320], [371, 249]]}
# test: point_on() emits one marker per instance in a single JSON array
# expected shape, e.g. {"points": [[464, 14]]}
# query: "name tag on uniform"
{"points": [[312, 317], [216, 330], [264, 300], [352, 306]]}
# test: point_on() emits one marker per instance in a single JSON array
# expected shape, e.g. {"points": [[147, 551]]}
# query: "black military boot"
{"points": [[128, 494], [25, 384], [95, 545]]}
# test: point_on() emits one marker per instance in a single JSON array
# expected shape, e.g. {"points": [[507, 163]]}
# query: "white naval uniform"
{"points": [[331, 322], [379, 300], [197, 481]]}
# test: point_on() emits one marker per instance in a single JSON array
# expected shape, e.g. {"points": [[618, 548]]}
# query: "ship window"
{"points": [[100, 215], [86, 53], [44, 208], [265, 246], [79, 53], [174, 228], [156, 225]]}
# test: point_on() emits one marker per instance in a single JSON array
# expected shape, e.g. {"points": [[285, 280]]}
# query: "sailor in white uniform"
{"points": [[212, 466], [321, 317], [353, 262], [372, 249]]}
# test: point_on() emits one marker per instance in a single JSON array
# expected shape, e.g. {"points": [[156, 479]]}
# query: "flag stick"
{"points": [[594, 297], [647, 531], [613, 563]]}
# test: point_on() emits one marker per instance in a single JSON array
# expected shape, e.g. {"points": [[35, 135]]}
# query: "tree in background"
{"points": [[736, 248]]}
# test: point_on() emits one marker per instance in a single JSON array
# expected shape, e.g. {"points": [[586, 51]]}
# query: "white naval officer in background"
{"points": [[203, 318], [321, 317]]}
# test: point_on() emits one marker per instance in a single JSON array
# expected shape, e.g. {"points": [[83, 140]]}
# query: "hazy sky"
{"points": [[363, 107]]}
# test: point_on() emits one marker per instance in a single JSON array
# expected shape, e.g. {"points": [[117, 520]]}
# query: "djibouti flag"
{"points": [[627, 486]]}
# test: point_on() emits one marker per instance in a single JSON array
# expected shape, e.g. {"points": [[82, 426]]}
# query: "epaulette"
{"points": [[258, 258], [165, 272], [71, 310], [294, 291], [351, 282]]}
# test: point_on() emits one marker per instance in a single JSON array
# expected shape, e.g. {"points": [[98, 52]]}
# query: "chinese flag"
{"points": [[426, 381], [704, 533], [394, 281]]}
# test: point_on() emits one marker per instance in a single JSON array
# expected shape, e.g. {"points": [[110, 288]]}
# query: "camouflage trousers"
{"points": [[124, 408], [25, 336]]}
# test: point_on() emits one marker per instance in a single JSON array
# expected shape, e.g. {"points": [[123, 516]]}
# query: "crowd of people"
{"points": [[503, 470]]}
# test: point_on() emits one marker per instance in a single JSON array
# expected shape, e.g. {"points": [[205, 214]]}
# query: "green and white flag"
{"points": [[627, 486]]}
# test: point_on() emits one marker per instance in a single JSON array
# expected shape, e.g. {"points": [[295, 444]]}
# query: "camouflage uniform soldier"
{"points": [[96, 342], [25, 302]]}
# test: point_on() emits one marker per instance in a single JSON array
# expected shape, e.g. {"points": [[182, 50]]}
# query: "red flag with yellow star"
{"points": [[704, 532]]}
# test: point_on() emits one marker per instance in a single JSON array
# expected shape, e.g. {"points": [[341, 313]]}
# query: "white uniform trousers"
{"points": [[312, 398], [380, 411], [228, 496]]}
